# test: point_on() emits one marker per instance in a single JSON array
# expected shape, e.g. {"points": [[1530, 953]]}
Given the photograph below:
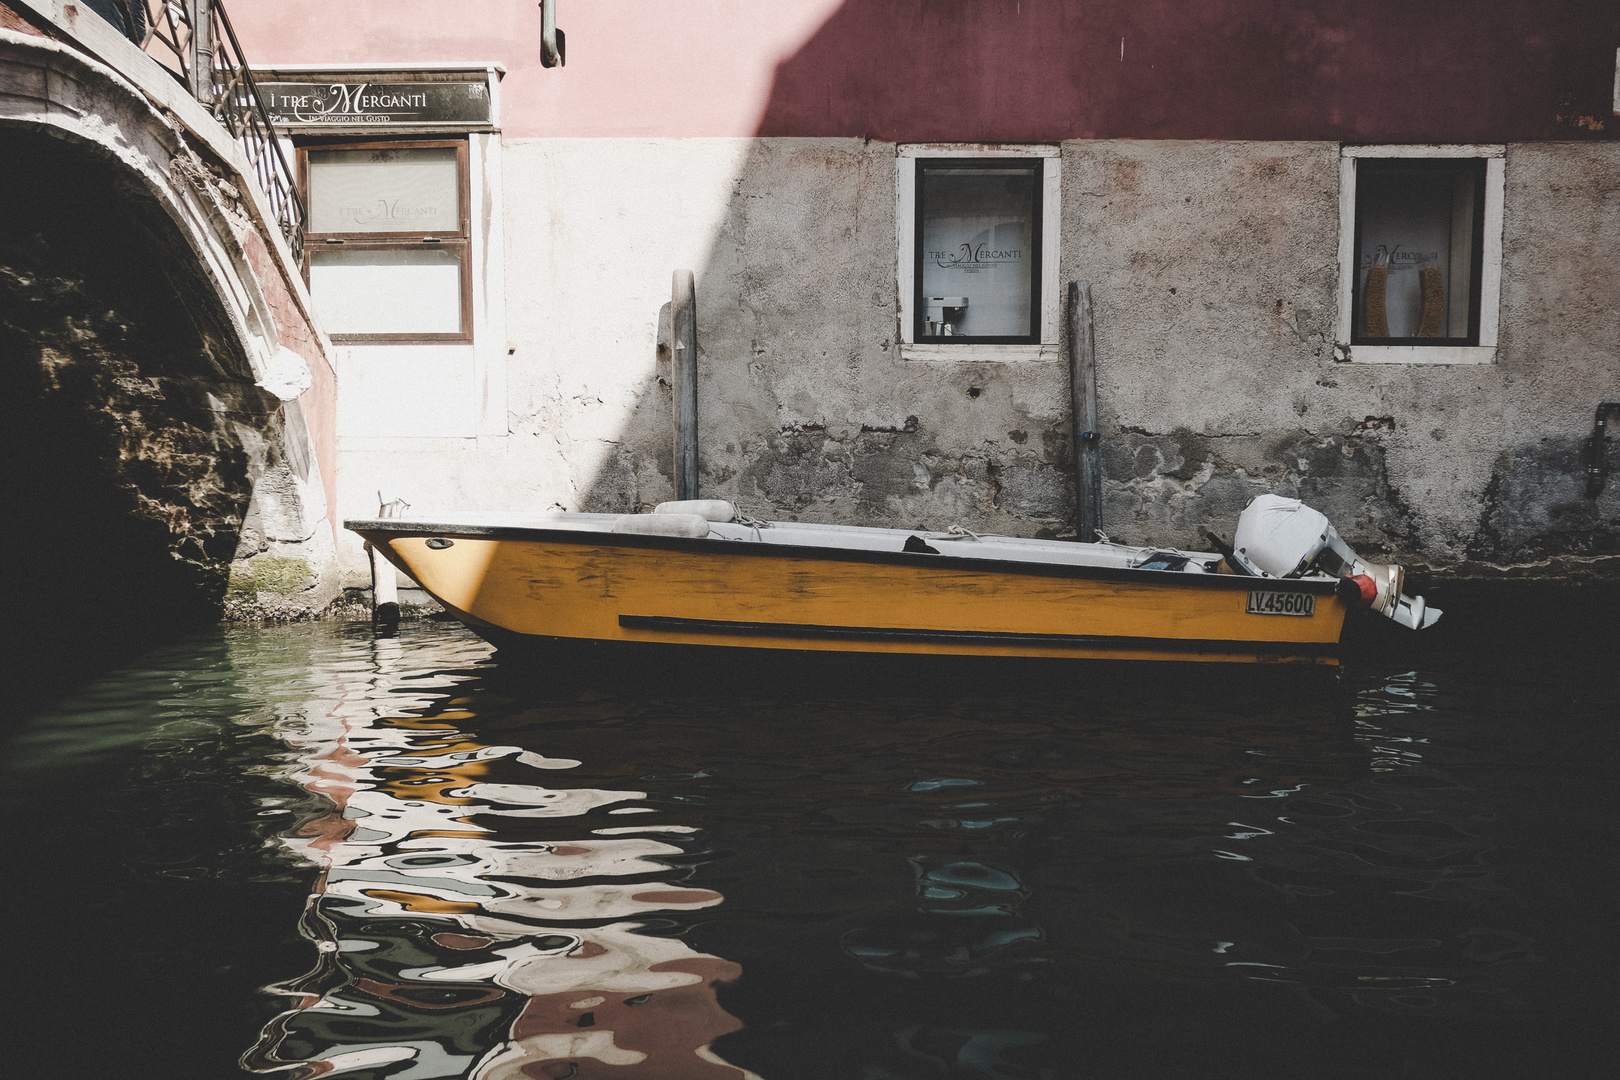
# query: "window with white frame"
{"points": [[977, 253], [1420, 253], [388, 243]]}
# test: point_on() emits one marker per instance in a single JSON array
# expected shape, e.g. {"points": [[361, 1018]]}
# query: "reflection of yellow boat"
{"points": [[711, 577], [444, 944]]}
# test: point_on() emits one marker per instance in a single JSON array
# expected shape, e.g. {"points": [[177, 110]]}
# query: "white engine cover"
{"points": [[1280, 536]]}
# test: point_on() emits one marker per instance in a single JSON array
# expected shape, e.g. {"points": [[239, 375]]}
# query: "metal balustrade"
{"points": [[194, 39]]}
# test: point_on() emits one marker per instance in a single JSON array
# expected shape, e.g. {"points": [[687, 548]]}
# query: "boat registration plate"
{"points": [[1266, 602]]}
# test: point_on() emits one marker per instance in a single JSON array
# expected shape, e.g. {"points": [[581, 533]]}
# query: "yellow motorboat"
{"points": [[701, 573]]}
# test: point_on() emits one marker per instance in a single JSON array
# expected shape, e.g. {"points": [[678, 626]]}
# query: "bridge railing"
{"points": [[194, 39]]}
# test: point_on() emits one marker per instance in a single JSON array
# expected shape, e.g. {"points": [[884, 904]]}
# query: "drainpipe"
{"points": [[553, 44], [200, 61], [1597, 465]]}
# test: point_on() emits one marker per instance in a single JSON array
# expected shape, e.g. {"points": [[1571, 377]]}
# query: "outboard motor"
{"points": [[1284, 538]]}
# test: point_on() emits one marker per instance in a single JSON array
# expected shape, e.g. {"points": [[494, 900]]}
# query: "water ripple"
{"points": [[509, 871]]}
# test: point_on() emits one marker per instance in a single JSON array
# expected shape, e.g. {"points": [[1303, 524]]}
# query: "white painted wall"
{"points": [[570, 272]]}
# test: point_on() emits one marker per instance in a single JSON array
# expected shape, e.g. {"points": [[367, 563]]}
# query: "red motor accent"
{"points": [[1368, 589]]}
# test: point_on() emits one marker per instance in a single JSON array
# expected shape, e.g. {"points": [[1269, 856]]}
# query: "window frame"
{"points": [[1047, 299], [1475, 268], [458, 240], [1481, 345], [1037, 240]]}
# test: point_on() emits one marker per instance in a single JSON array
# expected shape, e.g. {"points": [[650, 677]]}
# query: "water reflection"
{"points": [[448, 947], [935, 877], [1386, 872], [515, 873]]}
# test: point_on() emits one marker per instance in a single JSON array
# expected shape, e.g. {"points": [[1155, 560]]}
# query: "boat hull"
{"points": [[572, 586]]}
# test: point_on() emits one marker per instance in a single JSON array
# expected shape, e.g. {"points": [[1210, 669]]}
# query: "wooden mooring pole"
{"points": [[384, 585], [1083, 391], [683, 331]]}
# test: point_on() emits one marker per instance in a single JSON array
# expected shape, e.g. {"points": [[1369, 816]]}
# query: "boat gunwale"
{"points": [[707, 546]]}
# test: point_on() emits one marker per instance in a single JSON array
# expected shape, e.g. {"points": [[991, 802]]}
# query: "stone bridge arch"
{"points": [[165, 398]]}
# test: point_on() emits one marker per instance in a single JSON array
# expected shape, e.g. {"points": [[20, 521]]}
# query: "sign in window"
{"points": [[388, 245], [978, 257], [1418, 247], [384, 191]]}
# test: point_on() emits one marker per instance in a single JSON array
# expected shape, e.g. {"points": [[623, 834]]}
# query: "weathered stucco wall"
{"points": [[1214, 269], [807, 407], [768, 168], [1560, 353], [807, 410]]}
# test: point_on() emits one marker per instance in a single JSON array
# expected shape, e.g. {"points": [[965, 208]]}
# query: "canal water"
{"points": [[305, 851]]}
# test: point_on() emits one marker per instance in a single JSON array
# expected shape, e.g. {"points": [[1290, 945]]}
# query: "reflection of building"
{"points": [[882, 239], [653, 1021], [448, 951]]}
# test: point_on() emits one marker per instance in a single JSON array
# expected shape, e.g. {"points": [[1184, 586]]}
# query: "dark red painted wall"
{"points": [[1350, 70]]}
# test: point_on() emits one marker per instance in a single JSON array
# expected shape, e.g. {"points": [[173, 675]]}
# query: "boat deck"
{"points": [[807, 537]]}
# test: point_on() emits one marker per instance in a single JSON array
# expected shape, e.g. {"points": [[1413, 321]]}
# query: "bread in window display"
{"points": [[1432, 286], [1434, 301], [1377, 284]]}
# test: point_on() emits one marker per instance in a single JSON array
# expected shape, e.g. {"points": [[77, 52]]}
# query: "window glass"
{"points": [[391, 290], [1418, 229], [978, 249], [384, 191]]}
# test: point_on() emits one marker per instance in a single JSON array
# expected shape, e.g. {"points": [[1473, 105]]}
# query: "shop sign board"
{"points": [[374, 105]]}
